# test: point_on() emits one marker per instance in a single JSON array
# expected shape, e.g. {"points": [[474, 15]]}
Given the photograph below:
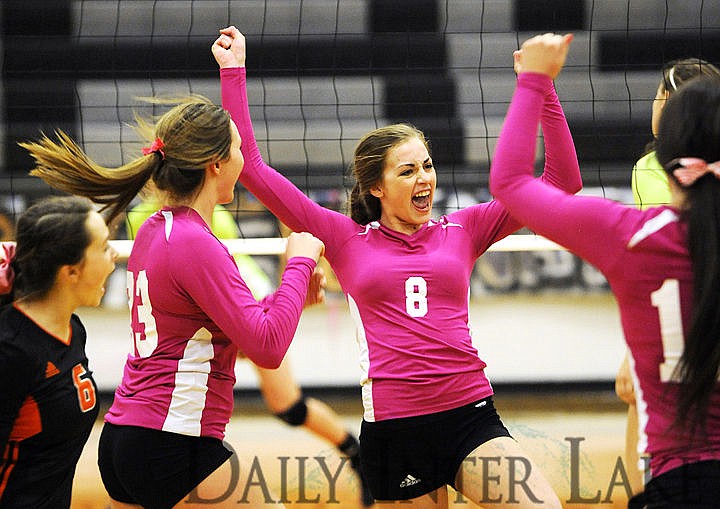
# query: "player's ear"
{"points": [[68, 273], [213, 167], [376, 191]]}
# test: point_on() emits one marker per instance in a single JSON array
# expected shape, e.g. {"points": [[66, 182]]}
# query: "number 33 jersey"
{"points": [[47, 409]]}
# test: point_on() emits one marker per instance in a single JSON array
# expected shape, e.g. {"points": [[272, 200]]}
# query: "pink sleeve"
{"points": [[263, 332], [581, 224], [562, 169], [288, 203]]}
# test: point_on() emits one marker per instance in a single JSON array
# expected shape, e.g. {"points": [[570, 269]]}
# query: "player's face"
{"points": [[98, 262], [661, 97], [230, 169], [407, 187]]}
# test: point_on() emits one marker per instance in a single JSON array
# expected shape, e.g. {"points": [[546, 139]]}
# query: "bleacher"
{"points": [[323, 72]]}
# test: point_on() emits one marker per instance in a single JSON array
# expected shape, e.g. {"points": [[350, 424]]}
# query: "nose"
{"points": [[425, 175]]}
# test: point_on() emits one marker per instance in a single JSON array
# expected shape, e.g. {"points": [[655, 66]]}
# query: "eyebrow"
{"points": [[412, 165]]}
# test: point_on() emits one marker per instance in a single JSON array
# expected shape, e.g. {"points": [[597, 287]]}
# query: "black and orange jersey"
{"points": [[47, 409]]}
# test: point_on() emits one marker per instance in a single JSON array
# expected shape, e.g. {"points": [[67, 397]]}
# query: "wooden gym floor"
{"points": [[574, 436]]}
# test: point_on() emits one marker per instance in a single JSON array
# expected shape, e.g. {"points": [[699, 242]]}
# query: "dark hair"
{"points": [[677, 72], [194, 132], [368, 165], [51, 233], [690, 127]]}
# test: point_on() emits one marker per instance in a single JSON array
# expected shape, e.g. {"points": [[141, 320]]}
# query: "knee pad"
{"points": [[296, 414]]}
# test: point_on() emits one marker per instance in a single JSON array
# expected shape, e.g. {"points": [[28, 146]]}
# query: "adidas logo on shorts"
{"points": [[409, 481]]}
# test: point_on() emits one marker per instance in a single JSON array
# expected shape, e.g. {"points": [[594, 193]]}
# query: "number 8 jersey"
{"points": [[408, 294], [47, 409]]}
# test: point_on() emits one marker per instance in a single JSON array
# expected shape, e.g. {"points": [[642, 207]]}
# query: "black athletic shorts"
{"points": [[412, 456], [154, 468], [691, 486]]}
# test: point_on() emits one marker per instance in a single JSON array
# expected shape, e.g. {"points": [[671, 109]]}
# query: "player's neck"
{"points": [[47, 314]]}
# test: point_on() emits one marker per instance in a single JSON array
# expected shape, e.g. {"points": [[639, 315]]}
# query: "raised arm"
{"points": [[562, 169], [570, 220], [277, 193], [561, 165]]}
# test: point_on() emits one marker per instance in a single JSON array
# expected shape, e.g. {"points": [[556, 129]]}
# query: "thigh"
{"points": [[409, 457], [222, 490], [156, 469], [398, 459], [499, 474]]}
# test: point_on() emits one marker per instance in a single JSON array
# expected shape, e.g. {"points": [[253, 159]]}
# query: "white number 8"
{"points": [[416, 296]]}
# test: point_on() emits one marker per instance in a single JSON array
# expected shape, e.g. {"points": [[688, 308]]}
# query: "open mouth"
{"points": [[421, 200]]}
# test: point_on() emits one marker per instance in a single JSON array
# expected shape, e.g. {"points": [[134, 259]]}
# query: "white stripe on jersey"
{"points": [[658, 222], [168, 215], [443, 224], [361, 339], [188, 397], [641, 406], [374, 225]]}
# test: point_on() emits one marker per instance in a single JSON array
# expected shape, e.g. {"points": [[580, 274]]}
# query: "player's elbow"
{"points": [[576, 184], [497, 187], [273, 363], [268, 360]]}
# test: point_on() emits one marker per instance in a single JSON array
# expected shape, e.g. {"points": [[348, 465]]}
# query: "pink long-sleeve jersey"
{"points": [[408, 294], [643, 255], [190, 311]]}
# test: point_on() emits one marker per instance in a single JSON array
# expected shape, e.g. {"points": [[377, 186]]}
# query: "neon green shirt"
{"points": [[650, 185]]}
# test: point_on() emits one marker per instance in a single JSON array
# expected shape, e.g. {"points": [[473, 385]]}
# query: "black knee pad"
{"points": [[296, 414]]}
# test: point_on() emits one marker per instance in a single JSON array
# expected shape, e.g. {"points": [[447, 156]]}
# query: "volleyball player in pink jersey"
{"points": [[190, 309], [429, 419], [661, 263]]}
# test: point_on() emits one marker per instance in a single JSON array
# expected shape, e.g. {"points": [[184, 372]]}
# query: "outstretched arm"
{"points": [[561, 165], [572, 221], [277, 193]]}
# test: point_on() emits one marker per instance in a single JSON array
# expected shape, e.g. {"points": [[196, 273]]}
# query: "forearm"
{"points": [[275, 328], [562, 169], [288, 203]]}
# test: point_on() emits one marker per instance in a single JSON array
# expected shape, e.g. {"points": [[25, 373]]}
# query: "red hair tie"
{"points": [[157, 146], [7, 274]]}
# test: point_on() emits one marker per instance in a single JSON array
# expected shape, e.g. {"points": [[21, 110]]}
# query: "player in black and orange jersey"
{"points": [[48, 399]]}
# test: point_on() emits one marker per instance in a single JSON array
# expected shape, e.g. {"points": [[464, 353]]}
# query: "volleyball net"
{"points": [[321, 73]]}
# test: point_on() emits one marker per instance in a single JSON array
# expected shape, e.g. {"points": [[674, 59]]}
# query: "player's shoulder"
{"points": [[649, 161], [643, 226], [19, 337]]}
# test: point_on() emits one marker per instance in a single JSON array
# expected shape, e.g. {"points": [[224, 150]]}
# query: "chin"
{"points": [[426, 216]]}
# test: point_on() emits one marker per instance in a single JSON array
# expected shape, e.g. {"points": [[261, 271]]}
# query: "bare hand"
{"points": [[316, 288], [517, 67], [624, 383], [544, 54], [304, 244], [229, 48]]}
